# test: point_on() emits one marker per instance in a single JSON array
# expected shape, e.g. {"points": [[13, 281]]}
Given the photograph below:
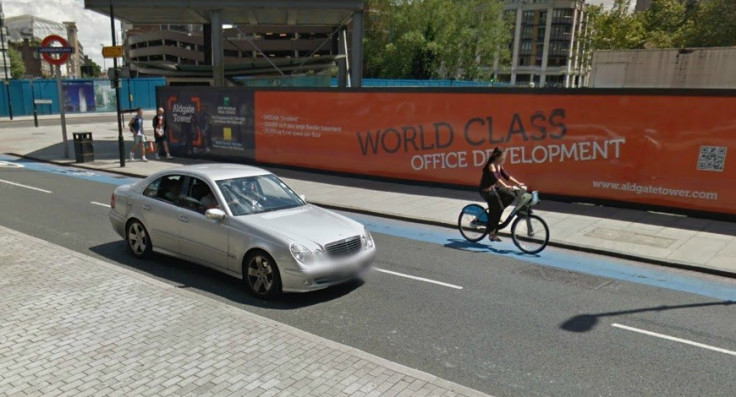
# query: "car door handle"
{"points": [[183, 218], [146, 207]]}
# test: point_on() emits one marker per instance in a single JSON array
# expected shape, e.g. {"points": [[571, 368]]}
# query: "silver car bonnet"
{"points": [[305, 224]]}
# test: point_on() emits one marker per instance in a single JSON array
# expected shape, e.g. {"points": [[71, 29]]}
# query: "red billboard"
{"points": [[657, 149]]}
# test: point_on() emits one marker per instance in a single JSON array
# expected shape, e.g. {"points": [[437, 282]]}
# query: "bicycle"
{"points": [[529, 232]]}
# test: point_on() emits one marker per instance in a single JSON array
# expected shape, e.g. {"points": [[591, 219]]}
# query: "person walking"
{"points": [[139, 139], [160, 134]]}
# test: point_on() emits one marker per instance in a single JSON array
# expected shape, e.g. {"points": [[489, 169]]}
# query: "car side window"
{"points": [[152, 189], [199, 197], [167, 188]]}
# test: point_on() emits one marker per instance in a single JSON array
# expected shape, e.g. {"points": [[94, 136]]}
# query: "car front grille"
{"points": [[343, 248]]}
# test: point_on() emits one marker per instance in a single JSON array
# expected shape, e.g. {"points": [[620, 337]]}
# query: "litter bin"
{"points": [[84, 151]]}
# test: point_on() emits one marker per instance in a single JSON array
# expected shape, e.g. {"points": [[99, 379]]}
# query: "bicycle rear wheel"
{"points": [[472, 222], [530, 233]]}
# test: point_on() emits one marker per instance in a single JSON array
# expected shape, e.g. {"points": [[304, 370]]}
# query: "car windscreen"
{"points": [[256, 194]]}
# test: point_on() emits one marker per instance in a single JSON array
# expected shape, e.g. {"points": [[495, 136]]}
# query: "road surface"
{"points": [[484, 317]]}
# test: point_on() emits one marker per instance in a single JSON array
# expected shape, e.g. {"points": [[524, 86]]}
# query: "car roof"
{"points": [[218, 171]]}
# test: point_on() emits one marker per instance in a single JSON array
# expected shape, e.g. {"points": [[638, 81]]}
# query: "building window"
{"points": [[526, 47], [528, 17], [540, 33], [526, 33], [562, 15]]}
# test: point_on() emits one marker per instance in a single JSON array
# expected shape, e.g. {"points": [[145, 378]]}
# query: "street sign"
{"points": [[113, 51], [55, 50], [47, 50]]}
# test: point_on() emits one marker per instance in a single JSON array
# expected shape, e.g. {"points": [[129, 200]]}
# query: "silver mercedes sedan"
{"points": [[243, 221]]}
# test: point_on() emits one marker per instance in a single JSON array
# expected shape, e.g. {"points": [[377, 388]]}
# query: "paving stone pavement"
{"points": [[74, 325]]}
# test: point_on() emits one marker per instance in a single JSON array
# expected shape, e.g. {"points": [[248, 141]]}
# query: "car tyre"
{"points": [[138, 239], [261, 275]]}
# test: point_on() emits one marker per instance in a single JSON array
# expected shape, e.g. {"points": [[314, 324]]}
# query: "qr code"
{"points": [[712, 158]]}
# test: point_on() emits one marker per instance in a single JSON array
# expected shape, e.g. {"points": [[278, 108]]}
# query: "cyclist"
{"points": [[497, 193]]}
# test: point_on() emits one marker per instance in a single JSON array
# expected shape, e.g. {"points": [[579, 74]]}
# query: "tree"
{"points": [[17, 67], [666, 24], [424, 39], [90, 68], [713, 24], [616, 28]]}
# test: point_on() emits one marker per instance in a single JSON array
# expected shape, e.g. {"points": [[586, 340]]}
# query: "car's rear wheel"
{"points": [[261, 275], [138, 239]]}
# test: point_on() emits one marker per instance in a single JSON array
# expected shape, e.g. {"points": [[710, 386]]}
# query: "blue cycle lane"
{"points": [[595, 265]]}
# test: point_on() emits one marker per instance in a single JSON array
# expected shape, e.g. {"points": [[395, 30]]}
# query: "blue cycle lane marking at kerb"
{"points": [[90, 175], [582, 263]]}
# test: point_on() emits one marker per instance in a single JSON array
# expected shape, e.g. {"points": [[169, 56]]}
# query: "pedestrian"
{"points": [[139, 139], [160, 134]]}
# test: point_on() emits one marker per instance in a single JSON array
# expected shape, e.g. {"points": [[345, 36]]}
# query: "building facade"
{"points": [[549, 46], [149, 45], [26, 32]]}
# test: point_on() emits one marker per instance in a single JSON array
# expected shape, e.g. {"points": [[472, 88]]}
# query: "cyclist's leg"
{"points": [[506, 197], [495, 208]]}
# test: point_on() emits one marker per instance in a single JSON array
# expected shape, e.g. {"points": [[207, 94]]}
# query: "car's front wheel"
{"points": [[261, 275], [138, 239]]}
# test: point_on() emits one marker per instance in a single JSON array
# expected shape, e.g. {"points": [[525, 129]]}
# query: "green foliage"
{"points": [[667, 24], [425, 39], [616, 28], [713, 24], [17, 67], [90, 68]]}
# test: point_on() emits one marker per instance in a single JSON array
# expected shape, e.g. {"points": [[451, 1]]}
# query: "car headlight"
{"points": [[301, 253], [367, 240]]}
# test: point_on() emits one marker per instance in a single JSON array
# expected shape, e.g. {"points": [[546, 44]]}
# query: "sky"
{"points": [[94, 28]]}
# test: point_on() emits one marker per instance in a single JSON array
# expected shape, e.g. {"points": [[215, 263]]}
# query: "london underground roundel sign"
{"points": [[47, 50]]}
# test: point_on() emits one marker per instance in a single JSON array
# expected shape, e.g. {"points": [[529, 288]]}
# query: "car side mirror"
{"points": [[303, 197], [215, 214]]}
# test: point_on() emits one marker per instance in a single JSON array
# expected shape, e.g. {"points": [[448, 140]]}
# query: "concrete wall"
{"points": [[686, 68]]}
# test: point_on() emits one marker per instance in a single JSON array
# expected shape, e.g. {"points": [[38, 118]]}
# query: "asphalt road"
{"points": [[515, 328]]}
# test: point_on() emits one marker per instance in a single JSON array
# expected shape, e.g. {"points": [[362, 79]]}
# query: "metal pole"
{"points": [[356, 73], [130, 96], [62, 112], [35, 106], [121, 142], [218, 62], [5, 62]]}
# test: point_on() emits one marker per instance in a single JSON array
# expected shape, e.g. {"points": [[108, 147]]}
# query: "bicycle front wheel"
{"points": [[530, 233], [472, 222]]}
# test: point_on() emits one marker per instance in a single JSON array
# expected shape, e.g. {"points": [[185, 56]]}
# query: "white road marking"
{"points": [[7, 164], [426, 280], [674, 339], [25, 186], [100, 204]]}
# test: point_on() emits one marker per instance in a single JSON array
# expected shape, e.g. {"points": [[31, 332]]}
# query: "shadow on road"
{"points": [[465, 245], [586, 322], [188, 275]]}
